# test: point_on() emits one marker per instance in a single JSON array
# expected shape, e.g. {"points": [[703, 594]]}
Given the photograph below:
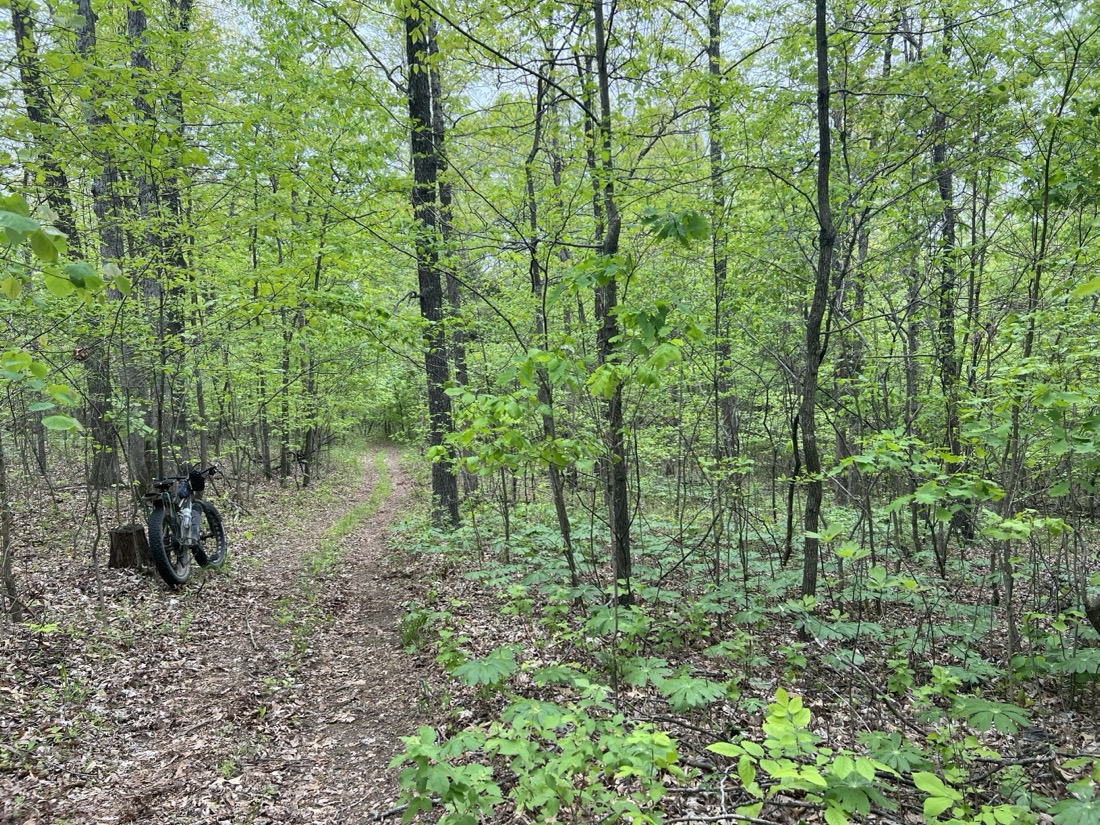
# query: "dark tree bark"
{"points": [[615, 465], [425, 185], [946, 350], [725, 406], [814, 350], [439, 135]]}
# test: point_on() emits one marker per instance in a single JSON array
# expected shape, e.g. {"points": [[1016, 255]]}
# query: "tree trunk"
{"points": [[450, 263], [616, 475], [814, 350], [425, 183], [11, 592]]}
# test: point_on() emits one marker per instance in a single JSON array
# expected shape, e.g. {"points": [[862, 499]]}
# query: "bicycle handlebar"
{"points": [[211, 471]]}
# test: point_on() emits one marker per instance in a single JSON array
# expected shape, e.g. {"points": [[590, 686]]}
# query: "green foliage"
{"points": [[490, 671], [565, 758], [982, 714], [429, 771], [1083, 806], [844, 783]]}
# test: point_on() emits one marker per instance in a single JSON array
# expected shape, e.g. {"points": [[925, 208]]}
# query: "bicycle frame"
{"points": [[181, 524]]}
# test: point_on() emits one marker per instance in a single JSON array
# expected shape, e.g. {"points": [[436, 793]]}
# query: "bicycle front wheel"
{"points": [[212, 546], [172, 561]]}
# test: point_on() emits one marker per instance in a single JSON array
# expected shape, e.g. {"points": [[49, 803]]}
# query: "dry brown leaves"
{"points": [[222, 701]]}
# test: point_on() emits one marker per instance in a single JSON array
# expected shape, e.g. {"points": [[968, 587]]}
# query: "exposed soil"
{"points": [[237, 698]]}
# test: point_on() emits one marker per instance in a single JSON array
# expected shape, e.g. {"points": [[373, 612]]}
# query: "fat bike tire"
{"points": [[212, 547], [172, 561]]}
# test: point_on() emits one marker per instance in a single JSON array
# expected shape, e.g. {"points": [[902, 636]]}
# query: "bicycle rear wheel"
{"points": [[212, 546], [172, 561]]}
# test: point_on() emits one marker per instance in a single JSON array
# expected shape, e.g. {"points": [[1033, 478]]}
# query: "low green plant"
{"points": [[845, 784], [581, 760], [1083, 805], [414, 628]]}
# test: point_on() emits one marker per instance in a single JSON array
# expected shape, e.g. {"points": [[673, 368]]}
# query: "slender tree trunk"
{"points": [[946, 349], [425, 185], [616, 469], [814, 350], [15, 606]]}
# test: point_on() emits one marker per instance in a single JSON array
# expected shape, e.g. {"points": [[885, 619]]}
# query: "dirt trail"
{"points": [[361, 689], [239, 698]]}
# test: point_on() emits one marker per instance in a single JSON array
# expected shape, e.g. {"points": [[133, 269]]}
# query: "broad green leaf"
{"points": [[43, 247], [726, 749], [63, 394], [1058, 490], [61, 287], [492, 670], [15, 203], [60, 422], [17, 226], [1086, 289], [79, 274], [930, 783], [191, 156], [936, 805], [10, 288]]}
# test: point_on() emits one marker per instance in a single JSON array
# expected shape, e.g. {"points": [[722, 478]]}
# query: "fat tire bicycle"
{"points": [[181, 526]]}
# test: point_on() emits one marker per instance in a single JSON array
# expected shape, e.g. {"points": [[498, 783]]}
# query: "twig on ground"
{"points": [[396, 809], [251, 638]]}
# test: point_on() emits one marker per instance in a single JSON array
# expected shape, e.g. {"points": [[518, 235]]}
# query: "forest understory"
{"points": [[279, 688]]}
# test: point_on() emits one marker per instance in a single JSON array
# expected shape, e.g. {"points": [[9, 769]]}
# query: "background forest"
{"points": [[752, 349]]}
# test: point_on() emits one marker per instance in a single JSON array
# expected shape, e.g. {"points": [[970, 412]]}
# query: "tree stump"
{"points": [[130, 548]]}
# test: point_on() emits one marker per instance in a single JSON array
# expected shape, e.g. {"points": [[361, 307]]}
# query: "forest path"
{"points": [[272, 692], [358, 690]]}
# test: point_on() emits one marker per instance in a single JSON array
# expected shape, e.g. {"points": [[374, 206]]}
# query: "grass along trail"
{"points": [[272, 691]]}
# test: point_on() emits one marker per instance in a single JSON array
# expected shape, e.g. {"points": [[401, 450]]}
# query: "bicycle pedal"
{"points": [[200, 556]]}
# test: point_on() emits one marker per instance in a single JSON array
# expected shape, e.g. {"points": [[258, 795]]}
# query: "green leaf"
{"points": [[62, 393], [1058, 490], [492, 670], [80, 273], [687, 693], [936, 805], [726, 749], [1086, 289], [192, 156], [15, 203], [930, 783], [60, 422], [43, 247], [61, 287], [10, 288], [17, 226]]}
